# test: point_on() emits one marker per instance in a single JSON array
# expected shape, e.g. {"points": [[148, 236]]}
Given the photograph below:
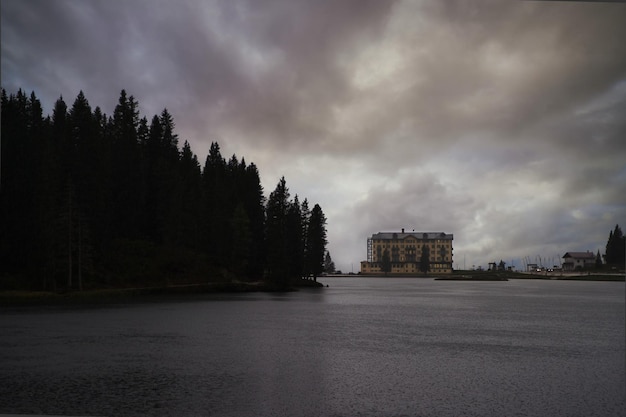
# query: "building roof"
{"points": [[417, 235], [580, 255]]}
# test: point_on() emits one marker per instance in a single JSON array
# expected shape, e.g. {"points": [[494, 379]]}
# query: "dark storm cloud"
{"points": [[500, 122]]}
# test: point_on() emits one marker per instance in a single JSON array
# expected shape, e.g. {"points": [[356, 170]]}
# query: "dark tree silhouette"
{"points": [[425, 259], [316, 241], [385, 264], [276, 234], [616, 248], [88, 200], [329, 265], [242, 238], [295, 242]]}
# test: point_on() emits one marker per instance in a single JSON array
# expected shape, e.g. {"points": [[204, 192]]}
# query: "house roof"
{"points": [[416, 235], [580, 255]]}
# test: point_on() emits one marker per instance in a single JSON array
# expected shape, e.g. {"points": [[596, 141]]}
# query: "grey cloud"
{"points": [[452, 115]]}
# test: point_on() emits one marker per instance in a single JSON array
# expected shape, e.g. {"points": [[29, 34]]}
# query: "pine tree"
{"points": [[615, 248], [21, 188], [126, 193], [215, 214], [154, 182], [316, 241], [254, 204], [329, 265], [170, 140], [295, 242], [276, 235], [190, 201], [305, 219]]}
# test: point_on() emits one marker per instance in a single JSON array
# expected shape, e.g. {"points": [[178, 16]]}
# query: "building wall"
{"points": [[573, 263], [405, 250]]}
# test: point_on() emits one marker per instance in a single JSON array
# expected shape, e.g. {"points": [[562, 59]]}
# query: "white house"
{"points": [[578, 260]]}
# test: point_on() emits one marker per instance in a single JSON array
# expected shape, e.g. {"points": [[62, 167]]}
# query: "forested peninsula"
{"points": [[91, 201]]}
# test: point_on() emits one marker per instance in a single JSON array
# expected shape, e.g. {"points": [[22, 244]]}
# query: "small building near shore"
{"points": [[578, 260]]}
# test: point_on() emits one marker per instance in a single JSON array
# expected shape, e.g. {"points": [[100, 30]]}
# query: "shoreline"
{"points": [[16, 298], [493, 276], [472, 278]]}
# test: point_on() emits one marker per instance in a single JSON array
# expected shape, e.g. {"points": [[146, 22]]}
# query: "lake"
{"points": [[361, 347]]}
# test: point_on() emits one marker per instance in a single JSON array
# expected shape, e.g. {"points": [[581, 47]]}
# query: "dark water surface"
{"points": [[362, 347]]}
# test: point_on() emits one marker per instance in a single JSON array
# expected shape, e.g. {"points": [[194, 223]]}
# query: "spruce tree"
{"points": [[276, 235], [316, 241], [125, 169], [615, 248], [215, 211], [329, 265], [190, 202], [254, 204], [295, 242], [305, 219]]}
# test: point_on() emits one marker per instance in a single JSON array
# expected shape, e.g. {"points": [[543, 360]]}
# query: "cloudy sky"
{"points": [[502, 122]]}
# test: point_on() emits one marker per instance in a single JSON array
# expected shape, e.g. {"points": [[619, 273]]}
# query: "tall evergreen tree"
{"points": [[190, 200], [305, 220], [295, 243], [316, 240], [616, 248], [216, 215], [329, 265], [126, 193], [276, 235], [154, 181], [20, 186], [170, 140], [254, 204]]}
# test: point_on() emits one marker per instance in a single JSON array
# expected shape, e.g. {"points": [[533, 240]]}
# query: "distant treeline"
{"points": [[90, 201]]}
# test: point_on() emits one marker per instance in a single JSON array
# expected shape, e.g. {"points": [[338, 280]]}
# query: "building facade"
{"points": [[404, 251], [573, 261]]}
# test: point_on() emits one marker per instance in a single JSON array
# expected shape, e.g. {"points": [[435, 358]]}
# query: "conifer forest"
{"points": [[89, 200]]}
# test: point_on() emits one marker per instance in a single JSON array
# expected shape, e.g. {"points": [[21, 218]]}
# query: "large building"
{"points": [[404, 251]]}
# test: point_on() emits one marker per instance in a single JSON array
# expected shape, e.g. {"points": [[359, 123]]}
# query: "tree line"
{"points": [[89, 200]]}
